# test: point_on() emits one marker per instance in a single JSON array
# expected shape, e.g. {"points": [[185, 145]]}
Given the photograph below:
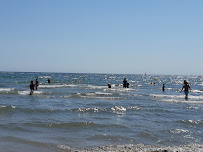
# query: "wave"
{"points": [[46, 77], [6, 89], [176, 96], [96, 87], [119, 89], [178, 131], [114, 109], [57, 86], [88, 109], [94, 95], [98, 97], [62, 125], [28, 92], [182, 101], [8, 108], [197, 91], [192, 122], [166, 96]]}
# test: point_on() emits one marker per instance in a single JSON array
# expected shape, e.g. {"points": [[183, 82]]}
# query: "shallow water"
{"points": [[78, 110]]}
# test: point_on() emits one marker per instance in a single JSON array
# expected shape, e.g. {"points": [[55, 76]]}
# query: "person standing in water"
{"points": [[32, 87], [36, 84], [186, 88], [163, 87], [125, 83], [109, 85], [49, 81]]}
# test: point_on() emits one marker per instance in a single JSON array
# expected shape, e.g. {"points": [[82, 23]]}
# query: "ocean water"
{"points": [[80, 111]]}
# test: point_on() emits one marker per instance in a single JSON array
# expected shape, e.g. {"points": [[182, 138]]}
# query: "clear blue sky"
{"points": [[102, 36]]}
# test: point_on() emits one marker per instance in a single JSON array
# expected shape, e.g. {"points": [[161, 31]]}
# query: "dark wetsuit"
{"points": [[186, 88], [109, 85], [163, 87], [32, 86], [36, 84], [124, 84]]}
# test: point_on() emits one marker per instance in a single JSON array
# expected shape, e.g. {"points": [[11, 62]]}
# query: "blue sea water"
{"points": [[79, 110]]}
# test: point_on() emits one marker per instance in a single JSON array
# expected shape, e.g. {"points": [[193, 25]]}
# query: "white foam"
{"points": [[8, 106], [96, 97], [88, 109], [176, 96], [178, 131], [119, 89], [197, 91], [102, 93], [65, 96], [28, 92], [46, 77], [182, 101], [134, 108], [118, 108], [6, 89], [57, 86], [166, 96], [96, 87]]}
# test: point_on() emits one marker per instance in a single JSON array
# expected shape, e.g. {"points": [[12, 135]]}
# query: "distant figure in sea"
{"points": [[163, 87], [49, 81], [32, 87], [125, 83], [36, 84], [128, 84], [186, 88], [109, 85]]}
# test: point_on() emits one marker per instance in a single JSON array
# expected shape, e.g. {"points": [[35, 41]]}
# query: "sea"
{"points": [[78, 112]]}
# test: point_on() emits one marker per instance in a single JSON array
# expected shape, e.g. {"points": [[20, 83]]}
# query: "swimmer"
{"points": [[124, 83], [36, 84], [186, 88], [128, 85], [32, 87], [109, 85], [163, 87]]}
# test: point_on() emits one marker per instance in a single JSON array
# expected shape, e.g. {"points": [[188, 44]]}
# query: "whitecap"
{"points": [[177, 96], [181, 101], [28, 92], [88, 109], [46, 77], [57, 86], [102, 93], [96, 87], [10, 106], [96, 97], [197, 91], [134, 108], [118, 108], [119, 89], [166, 96], [6, 89], [178, 131]]}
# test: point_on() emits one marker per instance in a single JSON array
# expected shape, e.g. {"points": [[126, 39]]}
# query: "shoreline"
{"points": [[136, 148]]}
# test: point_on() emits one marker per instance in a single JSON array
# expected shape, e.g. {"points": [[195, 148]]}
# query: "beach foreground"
{"points": [[107, 148], [139, 148]]}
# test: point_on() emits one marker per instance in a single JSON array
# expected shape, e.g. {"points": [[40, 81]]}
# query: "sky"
{"points": [[102, 36]]}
